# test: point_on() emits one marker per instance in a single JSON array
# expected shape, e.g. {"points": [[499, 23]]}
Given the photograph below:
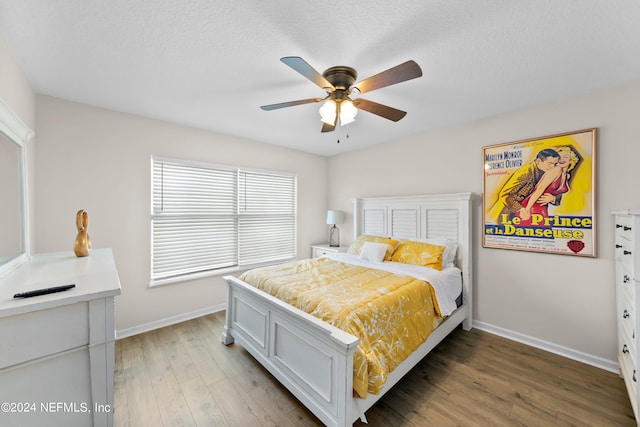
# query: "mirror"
{"points": [[14, 230]]}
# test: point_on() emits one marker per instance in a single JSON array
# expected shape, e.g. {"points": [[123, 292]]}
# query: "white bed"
{"points": [[313, 359]]}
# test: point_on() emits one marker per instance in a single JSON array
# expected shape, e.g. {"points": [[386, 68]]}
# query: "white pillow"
{"points": [[373, 251], [450, 248]]}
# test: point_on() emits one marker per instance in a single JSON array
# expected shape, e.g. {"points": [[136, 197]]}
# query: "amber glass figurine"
{"points": [[83, 241]]}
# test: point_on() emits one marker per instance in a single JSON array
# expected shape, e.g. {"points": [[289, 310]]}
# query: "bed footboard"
{"points": [[313, 359]]}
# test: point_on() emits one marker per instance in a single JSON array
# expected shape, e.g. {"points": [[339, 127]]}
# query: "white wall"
{"points": [[15, 90], [566, 301], [17, 94], [99, 160]]}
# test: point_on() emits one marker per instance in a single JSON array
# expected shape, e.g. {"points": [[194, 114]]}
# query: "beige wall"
{"points": [[17, 94], [566, 301], [99, 160], [15, 90]]}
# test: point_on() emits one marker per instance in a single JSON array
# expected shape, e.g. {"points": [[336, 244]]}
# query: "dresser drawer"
{"points": [[627, 333], [624, 255], [627, 319], [624, 282], [629, 372], [42, 333], [324, 249], [628, 349], [627, 240], [318, 252], [624, 228], [628, 367], [624, 252]]}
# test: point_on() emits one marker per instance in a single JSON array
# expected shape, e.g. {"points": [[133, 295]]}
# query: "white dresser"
{"points": [[57, 350], [627, 225]]}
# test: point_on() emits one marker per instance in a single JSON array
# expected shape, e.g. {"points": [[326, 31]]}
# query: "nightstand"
{"points": [[322, 249]]}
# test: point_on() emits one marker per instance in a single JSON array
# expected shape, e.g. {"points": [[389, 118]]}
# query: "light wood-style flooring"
{"points": [[182, 375]]}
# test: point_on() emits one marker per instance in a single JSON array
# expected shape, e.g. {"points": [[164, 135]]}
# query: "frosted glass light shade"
{"points": [[348, 112], [328, 112], [335, 217]]}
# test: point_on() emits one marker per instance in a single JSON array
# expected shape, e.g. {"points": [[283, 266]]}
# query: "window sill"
{"points": [[212, 273]]}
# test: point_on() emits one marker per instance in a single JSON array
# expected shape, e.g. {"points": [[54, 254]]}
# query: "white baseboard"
{"points": [[598, 362], [135, 330]]}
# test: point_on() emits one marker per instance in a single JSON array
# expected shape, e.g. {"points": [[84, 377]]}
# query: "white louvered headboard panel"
{"points": [[422, 217], [441, 223], [374, 221]]}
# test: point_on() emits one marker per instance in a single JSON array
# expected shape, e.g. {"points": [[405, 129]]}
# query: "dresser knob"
{"points": [[626, 252], [625, 279], [625, 349], [618, 246], [634, 375], [625, 314], [626, 228], [618, 226]]}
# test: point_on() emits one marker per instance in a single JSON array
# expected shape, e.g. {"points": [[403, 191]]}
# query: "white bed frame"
{"points": [[313, 359]]}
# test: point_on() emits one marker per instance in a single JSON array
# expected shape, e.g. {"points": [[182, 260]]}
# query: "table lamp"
{"points": [[335, 217]]}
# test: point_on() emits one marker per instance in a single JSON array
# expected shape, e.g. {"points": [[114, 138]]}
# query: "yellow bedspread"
{"points": [[390, 314]]}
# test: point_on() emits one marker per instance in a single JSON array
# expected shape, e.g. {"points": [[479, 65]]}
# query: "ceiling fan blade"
{"points": [[327, 128], [290, 104], [400, 73], [301, 66], [381, 110]]}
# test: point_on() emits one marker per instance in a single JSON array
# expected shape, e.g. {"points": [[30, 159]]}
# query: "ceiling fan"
{"points": [[338, 82]]}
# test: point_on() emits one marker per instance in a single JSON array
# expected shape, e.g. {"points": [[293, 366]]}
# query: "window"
{"points": [[209, 217]]}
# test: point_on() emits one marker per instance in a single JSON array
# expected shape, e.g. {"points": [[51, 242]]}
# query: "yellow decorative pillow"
{"points": [[418, 253], [356, 246]]}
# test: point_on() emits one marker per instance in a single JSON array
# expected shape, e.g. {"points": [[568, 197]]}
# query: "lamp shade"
{"points": [[328, 112], [348, 112], [335, 217]]}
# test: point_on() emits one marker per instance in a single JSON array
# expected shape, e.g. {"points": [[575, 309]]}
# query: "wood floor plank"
{"points": [[417, 412], [120, 404], [181, 363], [204, 409], [266, 411], [449, 410], [175, 410], [161, 373], [132, 357], [141, 401], [233, 404], [192, 335], [184, 375], [527, 416], [302, 417]]}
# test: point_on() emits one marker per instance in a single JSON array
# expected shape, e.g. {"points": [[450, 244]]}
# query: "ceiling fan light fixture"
{"points": [[328, 112], [338, 83], [348, 112]]}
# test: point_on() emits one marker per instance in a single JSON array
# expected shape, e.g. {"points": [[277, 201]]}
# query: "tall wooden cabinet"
{"points": [[627, 263], [57, 350]]}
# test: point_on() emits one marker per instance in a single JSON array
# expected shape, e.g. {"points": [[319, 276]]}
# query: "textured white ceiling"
{"points": [[211, 63]]}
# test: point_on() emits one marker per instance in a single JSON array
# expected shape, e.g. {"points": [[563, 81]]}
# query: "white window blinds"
{"points": [[207, 217]]}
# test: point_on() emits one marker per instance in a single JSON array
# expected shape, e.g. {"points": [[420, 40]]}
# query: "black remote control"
{"points": [[44, 291]]}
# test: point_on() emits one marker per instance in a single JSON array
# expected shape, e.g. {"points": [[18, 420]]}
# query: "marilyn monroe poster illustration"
{"points": [[539, 194]]}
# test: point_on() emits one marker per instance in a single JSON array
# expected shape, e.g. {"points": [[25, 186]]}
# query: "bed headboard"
{"points": [[422, 217]]}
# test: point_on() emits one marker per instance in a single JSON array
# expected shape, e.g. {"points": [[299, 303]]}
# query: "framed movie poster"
{"points": [[539, 194]]}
